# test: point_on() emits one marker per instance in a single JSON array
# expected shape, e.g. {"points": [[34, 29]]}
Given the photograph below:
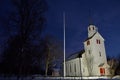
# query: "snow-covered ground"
{"points": [[57, 78], [116, 77]]}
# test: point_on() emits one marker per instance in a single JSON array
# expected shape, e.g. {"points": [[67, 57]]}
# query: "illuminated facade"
{"points": [[91, 61]]}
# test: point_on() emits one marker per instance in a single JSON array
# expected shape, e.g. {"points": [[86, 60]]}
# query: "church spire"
{"points": [[90, 17], [90, 21], [92, 29]]}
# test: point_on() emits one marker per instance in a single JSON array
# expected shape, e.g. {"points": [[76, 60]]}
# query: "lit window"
{"points": [[102, 71], [88, 42]]}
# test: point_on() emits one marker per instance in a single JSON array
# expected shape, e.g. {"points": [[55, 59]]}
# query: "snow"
{"points": [[55, 78]]}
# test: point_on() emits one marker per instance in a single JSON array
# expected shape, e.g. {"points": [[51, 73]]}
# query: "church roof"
{"points": [[100, 64], [91, 36], [76, 55]]}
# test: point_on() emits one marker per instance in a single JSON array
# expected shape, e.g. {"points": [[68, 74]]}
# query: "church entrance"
{"points": [[102, 71]]}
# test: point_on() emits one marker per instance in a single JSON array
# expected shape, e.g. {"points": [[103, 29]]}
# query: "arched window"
{"points": [[88, 42], [102, 71], [93, 28], [97, 41]]}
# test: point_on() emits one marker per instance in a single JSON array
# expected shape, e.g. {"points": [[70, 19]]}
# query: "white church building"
{"points": [[91, 61]]}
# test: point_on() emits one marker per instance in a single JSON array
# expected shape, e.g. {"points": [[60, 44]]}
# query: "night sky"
{"points": [[104, 14]]}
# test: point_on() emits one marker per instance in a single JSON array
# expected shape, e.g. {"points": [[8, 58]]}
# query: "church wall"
{"points": [[73, 67], [76, 66], [84, 67], [95, 54], [98, 50], [99, 55], [96, 70]]}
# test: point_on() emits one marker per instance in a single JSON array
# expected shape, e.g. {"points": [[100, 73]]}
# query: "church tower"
{"points": [[91, 30], [95, 53]]}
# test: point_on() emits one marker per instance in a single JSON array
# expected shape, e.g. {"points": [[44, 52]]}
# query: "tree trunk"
{"points": [[46, 70], [47, 62]]}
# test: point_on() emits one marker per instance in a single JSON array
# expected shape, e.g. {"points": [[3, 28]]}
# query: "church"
{"points": [[91, 61]]}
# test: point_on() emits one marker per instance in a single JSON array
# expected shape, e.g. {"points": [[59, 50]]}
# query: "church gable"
{"points": [[94, 36], [98, 36]]}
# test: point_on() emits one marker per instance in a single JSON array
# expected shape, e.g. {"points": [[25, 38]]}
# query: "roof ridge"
{"points": [[91, 36], [76, 54]]}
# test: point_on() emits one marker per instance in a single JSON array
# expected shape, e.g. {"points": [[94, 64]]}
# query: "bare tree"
{"points": [[113, 63], [53, 52]]}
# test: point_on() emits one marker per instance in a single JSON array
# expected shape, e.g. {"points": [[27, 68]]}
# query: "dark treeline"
{"points": [[25, 52]]}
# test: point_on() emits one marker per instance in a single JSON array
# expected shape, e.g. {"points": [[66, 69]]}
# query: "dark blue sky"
{"points": [[105, 14]]}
